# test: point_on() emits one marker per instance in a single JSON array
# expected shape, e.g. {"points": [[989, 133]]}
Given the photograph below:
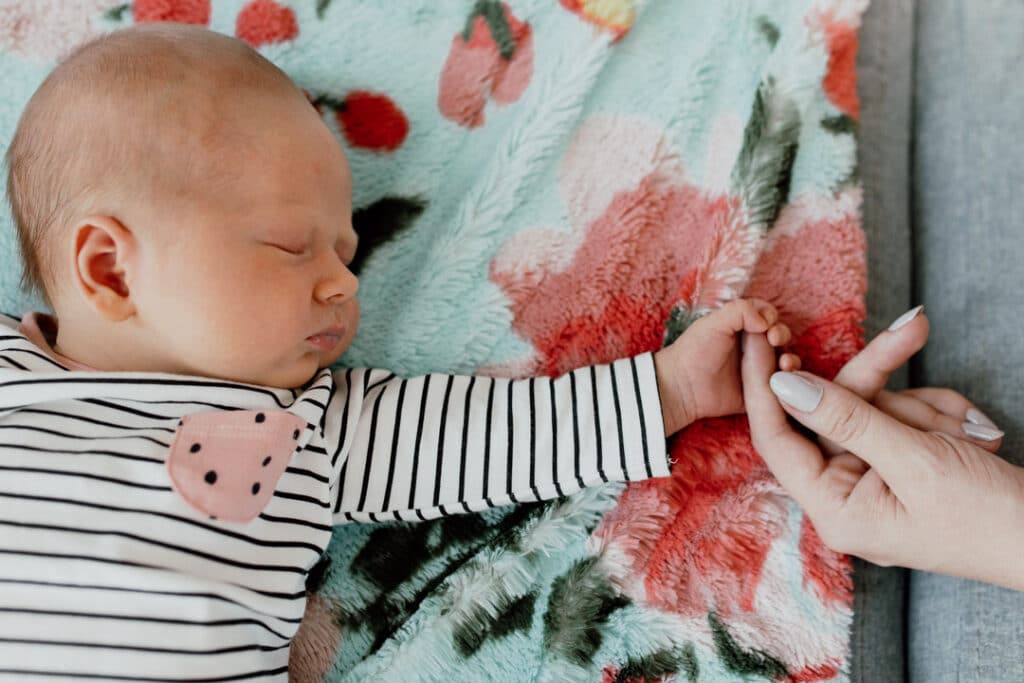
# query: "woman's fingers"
{"points": [[796, 462], [867, 373], [955, 405], [939, 410], [848, 420]]}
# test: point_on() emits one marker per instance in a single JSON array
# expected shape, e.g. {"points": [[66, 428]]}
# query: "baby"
{"points": [[174, 446]]}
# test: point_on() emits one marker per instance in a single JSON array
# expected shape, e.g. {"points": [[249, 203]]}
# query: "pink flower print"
{"points": [[605, 289], [698, 541], [494, 53]]}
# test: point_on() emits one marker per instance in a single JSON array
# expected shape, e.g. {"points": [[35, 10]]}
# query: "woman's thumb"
{"points": [[840, 415]]}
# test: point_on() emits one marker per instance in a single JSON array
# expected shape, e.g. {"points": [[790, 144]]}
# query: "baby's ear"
{"points": [[102, 247]]}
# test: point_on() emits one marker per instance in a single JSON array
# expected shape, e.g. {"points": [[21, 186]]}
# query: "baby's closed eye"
{"points": [[294, 249]]}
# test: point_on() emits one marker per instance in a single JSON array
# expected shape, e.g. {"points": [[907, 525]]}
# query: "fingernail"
{"points": [[798, 392], [981, 432], [905, 318], [975, 416]]}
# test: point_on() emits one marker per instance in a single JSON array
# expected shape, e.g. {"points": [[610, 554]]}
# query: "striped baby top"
{"points": [[160, 527]]}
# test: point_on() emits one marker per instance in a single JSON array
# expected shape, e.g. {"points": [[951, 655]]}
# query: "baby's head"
{"points": [[183, 208]]}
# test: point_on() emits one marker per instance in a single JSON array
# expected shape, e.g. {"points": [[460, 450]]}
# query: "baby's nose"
{"points": [[338, 285]]}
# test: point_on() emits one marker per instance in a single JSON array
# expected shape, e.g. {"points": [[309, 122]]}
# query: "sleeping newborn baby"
{"points": [[174, 446]]}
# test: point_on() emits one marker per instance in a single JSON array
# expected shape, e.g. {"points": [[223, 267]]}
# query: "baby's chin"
{"points": [[299, 372]]}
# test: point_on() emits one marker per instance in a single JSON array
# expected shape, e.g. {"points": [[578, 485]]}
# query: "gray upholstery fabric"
{"points": [[969, 252], [885, 72]]}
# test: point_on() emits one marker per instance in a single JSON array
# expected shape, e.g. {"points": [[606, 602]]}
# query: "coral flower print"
{"points": [[840, 82], [178, 11], [638, 231], [492, 56], [262, 22]]}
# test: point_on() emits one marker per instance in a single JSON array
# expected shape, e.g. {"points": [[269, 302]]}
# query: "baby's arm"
{"points": [[437, 445]]}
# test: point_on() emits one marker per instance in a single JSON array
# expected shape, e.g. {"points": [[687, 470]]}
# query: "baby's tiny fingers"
{"points": [[779, 335], [766, 310], [739, 315], [790, 362]]}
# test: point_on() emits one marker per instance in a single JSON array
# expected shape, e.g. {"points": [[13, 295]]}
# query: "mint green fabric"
{"points": [[719, 111]]}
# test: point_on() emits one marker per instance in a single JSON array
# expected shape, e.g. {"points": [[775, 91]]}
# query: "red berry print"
{"points": [[262, 22], [179, 11], [371, 121]]}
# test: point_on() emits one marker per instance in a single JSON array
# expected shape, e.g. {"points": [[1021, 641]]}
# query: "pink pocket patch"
{"points": [[227, 464]]}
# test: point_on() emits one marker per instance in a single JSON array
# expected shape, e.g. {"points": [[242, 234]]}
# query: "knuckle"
{"points": [[948, 395], [943, 457], [743, 305], [849, 423]]}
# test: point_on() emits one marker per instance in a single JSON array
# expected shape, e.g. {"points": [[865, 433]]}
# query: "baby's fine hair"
{"points": [[93, 135]]}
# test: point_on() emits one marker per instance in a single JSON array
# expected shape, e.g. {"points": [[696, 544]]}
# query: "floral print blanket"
{"points": [[540, 185]]}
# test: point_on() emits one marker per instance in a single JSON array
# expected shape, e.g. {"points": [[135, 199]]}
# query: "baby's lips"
{"points": [[226, 464]]}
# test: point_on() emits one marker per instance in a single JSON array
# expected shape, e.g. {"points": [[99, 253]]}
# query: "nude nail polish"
{"points": [[975, 416], [798, 392], [905, 318], [981, 432]]}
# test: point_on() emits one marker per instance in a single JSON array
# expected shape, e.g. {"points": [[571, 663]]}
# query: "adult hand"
{"points": [[902, 488]]}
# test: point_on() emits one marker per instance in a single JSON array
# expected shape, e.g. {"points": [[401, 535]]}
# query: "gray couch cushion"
{"points": [[969, 244], [885, 65]]}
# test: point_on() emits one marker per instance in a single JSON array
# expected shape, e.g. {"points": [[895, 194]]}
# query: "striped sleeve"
{"points": [[437, 445]]}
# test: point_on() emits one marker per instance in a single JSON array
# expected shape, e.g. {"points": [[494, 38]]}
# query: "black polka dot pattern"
{"points": [[211, 477], [266, 461], [195, 448], [295, 435], [255, 488], [260, 417]]}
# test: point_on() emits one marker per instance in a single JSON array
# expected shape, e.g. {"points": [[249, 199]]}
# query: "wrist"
{"points": [[676, 395]]}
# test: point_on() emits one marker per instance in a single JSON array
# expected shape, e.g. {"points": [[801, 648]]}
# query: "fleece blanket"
{"points": [[541, 185]]}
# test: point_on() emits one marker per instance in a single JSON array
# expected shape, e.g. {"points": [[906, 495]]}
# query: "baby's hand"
{"points": [[699, 373]]}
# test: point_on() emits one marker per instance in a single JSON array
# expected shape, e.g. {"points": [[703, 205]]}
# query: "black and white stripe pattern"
{"points": [[105, 573], [435, 445]]}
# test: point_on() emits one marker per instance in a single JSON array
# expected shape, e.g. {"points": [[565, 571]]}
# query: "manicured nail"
{"points": [[905, 318], [981, 432], [798, 392], [975, 416]]}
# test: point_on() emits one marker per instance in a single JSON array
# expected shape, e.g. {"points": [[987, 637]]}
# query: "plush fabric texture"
{"points": [[541, 185]]}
